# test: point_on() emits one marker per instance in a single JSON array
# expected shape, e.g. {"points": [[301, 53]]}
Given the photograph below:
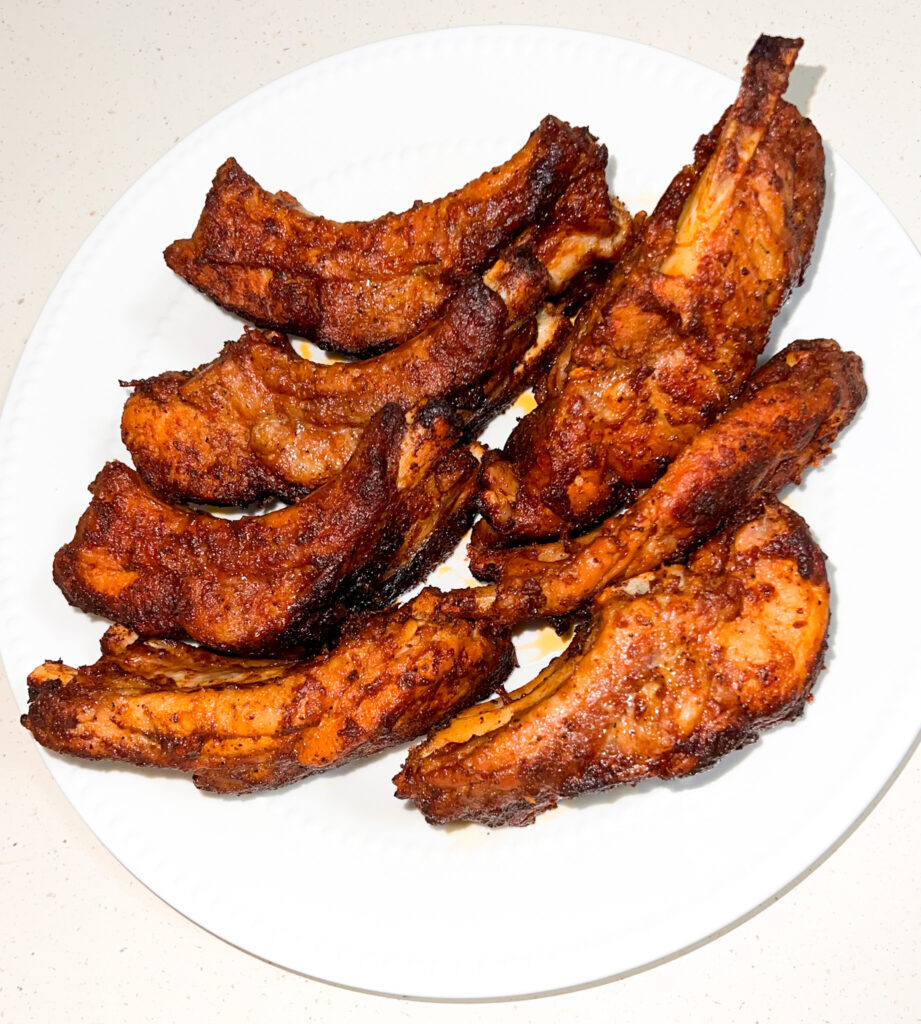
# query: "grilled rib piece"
{"points": [[241, 725], [675, 669], [362, 287], [260, 421], [669, 340], [790, 412], [271, 583]]}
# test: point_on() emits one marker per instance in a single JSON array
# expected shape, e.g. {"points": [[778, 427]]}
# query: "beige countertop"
{"points": [[92, 94]]}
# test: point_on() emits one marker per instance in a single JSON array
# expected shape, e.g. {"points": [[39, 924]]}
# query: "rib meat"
{"points": [[263, 584], [362, 287], [260, 421], [241, 725], [668, 341], [790, 412], [676, 668]]}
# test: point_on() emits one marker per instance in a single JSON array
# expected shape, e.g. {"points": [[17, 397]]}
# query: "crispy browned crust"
{"points": [[361, 287], [675, 669], [432, 512], [241, 725], [271, 583], [259, 421], [668, 342], [790, 412]]}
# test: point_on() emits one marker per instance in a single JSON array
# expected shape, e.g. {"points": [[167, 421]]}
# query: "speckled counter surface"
{"points": [[91, 94]]}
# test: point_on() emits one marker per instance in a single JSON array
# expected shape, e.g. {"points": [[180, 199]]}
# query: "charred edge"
{"points": [[765, 78]]}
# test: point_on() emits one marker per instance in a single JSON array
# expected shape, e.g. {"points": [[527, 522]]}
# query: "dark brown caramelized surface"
{"points": [[274, 582], [674, 669], [261, 421], [363, 286], [243, 724], [669, 340], [790, 412]]}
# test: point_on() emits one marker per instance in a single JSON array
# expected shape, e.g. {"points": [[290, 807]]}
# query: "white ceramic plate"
{"points": [[334, 877]]}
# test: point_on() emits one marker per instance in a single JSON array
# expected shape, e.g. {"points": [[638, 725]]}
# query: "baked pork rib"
{"points": [[280, 581], [675, 668], [261, 421], [241, 725], [787, 418], [664, 346], [364, 286]]}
